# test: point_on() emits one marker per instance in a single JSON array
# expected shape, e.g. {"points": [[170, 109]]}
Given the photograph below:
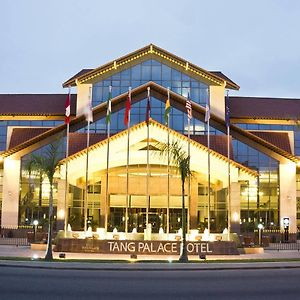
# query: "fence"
{"points": [[15, 236], [284, 246]]}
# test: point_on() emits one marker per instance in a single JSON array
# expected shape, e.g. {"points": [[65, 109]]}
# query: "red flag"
{"points": [[68, 108], [127, 109], [148, 107]]}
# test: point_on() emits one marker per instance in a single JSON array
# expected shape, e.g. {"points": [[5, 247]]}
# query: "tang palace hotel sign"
{"points": [[144, 247]]}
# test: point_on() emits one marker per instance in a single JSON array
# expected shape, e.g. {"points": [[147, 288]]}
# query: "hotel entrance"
{"points": [[162, 217]]}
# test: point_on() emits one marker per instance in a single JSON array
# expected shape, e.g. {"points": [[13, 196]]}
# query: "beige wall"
{"points": [[287, 179], [217, 102], [11, 188]]}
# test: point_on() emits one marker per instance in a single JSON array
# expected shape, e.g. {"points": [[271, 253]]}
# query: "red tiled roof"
{"points": [[35, 104], [218, 143], [77, 141], [264, 108], [21, 135], [279, 139]]}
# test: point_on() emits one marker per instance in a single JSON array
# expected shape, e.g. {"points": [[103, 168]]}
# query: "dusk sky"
{"points": [[256, 43]]}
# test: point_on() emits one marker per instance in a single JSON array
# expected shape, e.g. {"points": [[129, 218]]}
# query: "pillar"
{"points": [[288, 202], [11, 192]]}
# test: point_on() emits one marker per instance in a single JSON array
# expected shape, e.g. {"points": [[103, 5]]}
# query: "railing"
{"points": [[14, 236], [14, 241], [284, 246]]}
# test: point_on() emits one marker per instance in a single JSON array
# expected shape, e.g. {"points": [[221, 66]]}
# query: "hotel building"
{"points": [[264, 146]]}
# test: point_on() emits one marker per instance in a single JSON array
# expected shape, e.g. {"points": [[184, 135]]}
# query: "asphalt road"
{"points": [[26, 283]]}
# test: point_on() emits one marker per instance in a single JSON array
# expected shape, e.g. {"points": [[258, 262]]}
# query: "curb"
{"points": [[147, 267]]}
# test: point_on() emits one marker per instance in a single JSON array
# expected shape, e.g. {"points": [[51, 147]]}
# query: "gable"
{"points": [[146, 53]]}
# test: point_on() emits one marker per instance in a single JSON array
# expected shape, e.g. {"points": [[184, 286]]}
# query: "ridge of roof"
{"points": [[151, 49]]}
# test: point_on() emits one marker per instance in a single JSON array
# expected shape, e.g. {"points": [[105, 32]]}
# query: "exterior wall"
{"points": [[83, 94], [11, 188], [217, 102], [287, 176]]}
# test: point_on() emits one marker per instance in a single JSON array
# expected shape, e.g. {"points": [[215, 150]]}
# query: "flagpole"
{"points": [[87, 162], [148, 170], [189, 178], [208, 161], [127, 165], [168, 170], [107, 156], [67, 160], [228, 160], [86, 176]]}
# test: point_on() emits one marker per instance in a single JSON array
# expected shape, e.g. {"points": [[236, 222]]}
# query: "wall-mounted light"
{"points": [[235, 217]]}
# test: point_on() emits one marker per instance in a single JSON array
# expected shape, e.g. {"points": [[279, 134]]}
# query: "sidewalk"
{"points": [[118, 262]]}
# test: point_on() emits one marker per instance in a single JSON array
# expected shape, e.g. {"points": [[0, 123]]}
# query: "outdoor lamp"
{"points": [[35, 224]]}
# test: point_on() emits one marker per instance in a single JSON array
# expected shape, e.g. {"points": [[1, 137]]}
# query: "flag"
{"points": [[227, 111], [127, 109], [188, 106], [207, 113], [148, 107], [108, 112], [88, 110], [68, 108], [167, 109]]}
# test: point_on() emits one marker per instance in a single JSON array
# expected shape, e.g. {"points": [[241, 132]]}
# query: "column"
{"points": [[287, 201], [11, 192]]}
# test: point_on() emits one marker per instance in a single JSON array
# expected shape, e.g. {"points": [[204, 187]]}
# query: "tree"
{"points": [[178, 157], [46, 164]]}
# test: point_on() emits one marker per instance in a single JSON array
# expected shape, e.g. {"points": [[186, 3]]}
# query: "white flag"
{"points": [[207, 113], [88, 110]]}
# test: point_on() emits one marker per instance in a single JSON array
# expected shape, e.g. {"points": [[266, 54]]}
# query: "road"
{"points": [[33, 283]]}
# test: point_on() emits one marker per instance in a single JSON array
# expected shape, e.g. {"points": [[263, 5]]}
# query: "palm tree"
{"points": [[181, 160], [46, 164]]}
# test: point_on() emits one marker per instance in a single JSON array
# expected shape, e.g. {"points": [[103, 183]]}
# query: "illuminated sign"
{"points": [[144, 247]]}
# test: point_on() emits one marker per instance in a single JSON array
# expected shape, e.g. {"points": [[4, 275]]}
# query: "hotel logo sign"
{"points": [[144, 247], [155, 247]]}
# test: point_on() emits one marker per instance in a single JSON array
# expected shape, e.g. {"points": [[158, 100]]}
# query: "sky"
{"points": [[256, 43]]}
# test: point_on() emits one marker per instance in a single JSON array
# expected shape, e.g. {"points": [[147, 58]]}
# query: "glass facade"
{"points": [[260, 198], [5, 124], [35, 186], [150, 70]]}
